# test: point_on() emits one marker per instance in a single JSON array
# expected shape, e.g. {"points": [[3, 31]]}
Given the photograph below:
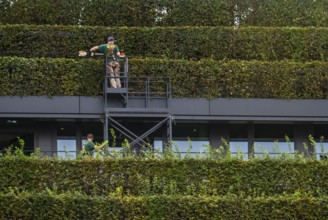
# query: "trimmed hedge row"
{"points": [[166, 13], [51, 77], [70, 206], [192, 177], [176, 43], [205, 78]]}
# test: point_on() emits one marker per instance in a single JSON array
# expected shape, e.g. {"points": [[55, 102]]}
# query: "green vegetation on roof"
{"points": [[247, 43], [203, 79], [166, 13]]}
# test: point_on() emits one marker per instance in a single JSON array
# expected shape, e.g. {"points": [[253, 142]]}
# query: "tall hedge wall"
{"points": [[174, 42], [70, 206], [166, 13], [137, 177], [206, 78]]}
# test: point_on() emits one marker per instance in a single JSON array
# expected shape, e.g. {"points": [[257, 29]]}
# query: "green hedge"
{"points": [[70, 206], [50, 77], [166, 13], [195, 43], [205, 78], [139, 177]]}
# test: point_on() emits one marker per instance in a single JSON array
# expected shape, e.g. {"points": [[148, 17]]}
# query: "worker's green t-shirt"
{"points": [[105, 48], [89, 147]]}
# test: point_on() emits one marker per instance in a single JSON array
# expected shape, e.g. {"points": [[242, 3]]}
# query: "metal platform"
{"points": [[116, 90], [139, 97]]}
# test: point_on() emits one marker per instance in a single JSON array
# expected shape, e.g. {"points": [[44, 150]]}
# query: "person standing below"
{"points": [[111, 53], [89, 147]]}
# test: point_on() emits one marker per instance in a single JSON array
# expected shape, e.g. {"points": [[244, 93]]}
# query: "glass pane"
{"points": [[158, 145], [66, 148], [273, 148], [115, 150], [237, 147], [194, 146], [322, 150]]}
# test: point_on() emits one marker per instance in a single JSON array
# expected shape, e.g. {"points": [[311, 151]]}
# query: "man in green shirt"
{"points": [[89, 146], [111, 53]]}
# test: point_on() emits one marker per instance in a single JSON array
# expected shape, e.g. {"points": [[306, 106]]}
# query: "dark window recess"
{"points": [[273, 132], [238, 131], [10, 139], [321, 132], [66, 129], [190, 130]]}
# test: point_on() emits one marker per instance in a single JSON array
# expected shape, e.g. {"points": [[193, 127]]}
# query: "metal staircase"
{"points": [[139, 98]]}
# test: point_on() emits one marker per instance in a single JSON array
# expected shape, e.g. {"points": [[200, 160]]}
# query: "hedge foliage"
{"points": [[50, 77], [71, 206], [166, 13], [248, 43], [205, 78], [185, 177]]}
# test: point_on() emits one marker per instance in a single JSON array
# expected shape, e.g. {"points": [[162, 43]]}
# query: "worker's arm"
{"points": [[94, 48], [120, 54], [116, 50]]}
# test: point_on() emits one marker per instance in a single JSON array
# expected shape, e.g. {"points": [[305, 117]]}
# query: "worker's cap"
{"points": [[111, 39], [90, 136]]}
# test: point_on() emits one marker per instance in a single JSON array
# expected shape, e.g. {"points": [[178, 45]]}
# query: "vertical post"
{"points": [[126, 84], [168, 92], [302, 142], [78, 138], [218, 132], [105, 107], [170, 128], [167, 133], [105, 84], [146, 92], [251, 136], [106, 125]]}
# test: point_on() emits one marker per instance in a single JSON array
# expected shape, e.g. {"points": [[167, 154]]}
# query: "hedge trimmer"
{"points": [[83, 53]]}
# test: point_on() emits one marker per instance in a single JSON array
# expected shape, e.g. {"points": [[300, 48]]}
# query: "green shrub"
{"points": [[166, 13], [281, 13], [194, 43], [50, 77], [205, 78], [75, 206], [190, 177]]}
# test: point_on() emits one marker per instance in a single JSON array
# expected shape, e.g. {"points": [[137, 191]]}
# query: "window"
{"points": [[320, 136], [322, 150], [66, 140], [238, 140], [273, 148], [190, 137], [184, 147], [66, 147], [274, 139], [239, 148]]}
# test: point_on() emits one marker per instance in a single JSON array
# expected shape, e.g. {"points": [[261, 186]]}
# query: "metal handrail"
{"points": [[146, 82]]}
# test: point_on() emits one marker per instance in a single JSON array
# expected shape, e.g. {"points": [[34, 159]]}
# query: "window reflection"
{"points": [[66, 148], [239, 148], [184, 147], [273, 148], [322, 150]]}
